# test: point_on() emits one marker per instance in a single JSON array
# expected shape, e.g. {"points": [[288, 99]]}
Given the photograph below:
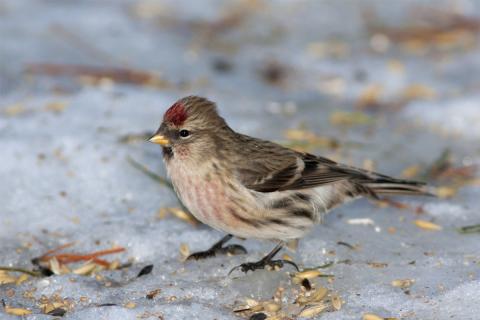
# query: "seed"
{"points": [[313, 310], [271, 307], [316, 295], [336, 302], [17, 311], [371, 316], [403, 283], [184, 250], [55, 266], [446, 192], [130, 305], [251, 302], [258, 316], [308, 274], [427, 225], [319, 294], [152, 294], [85, 269], [306, 284], [6, 278]]}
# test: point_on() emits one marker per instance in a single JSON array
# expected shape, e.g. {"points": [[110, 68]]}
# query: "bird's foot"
{"points": [[262, 264], [232, 249]]}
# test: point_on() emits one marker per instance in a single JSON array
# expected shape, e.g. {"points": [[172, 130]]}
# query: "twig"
{"points": [[469, 229], [29, 272], [148, 172], [65, 258]]}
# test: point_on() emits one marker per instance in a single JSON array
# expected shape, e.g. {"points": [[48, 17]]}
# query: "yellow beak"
{"points": [[159, 139]]}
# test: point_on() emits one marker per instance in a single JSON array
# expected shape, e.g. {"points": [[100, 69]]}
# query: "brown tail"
{"points": [[394, 186]]}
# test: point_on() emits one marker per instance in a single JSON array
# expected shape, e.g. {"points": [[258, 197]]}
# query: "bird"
{"points": [[252, 188]]}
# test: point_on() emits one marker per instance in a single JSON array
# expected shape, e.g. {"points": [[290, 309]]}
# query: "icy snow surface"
{"points": [[64, 176]]}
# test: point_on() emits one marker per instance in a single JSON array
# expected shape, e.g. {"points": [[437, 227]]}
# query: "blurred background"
{"points": [[392, 86]]}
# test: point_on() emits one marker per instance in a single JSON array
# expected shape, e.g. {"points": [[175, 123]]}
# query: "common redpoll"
{"points": [[252, 188]]}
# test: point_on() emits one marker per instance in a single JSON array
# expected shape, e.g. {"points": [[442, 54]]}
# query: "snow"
{"points": [[64, 174]]}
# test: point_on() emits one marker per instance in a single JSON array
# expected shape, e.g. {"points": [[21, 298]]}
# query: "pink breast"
{"points": [[203, 198]]}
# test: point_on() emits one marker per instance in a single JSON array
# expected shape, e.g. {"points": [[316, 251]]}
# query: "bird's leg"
{"points": [[218, 248], [265, 261]]}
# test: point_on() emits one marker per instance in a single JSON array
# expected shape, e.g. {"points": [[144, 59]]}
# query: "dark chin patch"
{"points": [[167, 153]]}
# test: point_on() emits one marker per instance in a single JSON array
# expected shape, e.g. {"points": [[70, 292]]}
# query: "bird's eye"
{"points": [[184, 133]]}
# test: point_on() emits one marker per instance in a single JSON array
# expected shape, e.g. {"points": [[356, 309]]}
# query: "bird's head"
{"points": [[190, 126]]}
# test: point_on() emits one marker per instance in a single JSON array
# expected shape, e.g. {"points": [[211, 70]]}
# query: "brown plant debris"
{"points": [[115, 74]]}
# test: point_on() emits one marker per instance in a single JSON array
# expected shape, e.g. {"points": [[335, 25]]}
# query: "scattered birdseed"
{"points": [[184, 250], [336, 302], [446, 192], [312, 296], [309, 274], [86, 269], [371, 316], [6, 278], [258, 316], [306, 284], [152, 294], [130, 305], [145, 270], [55, 266], [403, 283], [59, 312], [313, 310], [427, 225], [377, 265], [17, 311], [271, 307]]}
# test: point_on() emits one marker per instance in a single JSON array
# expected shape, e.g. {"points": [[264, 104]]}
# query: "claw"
{"points": [[201, 255], [252, 266], [291, 263], [233, 249]]}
